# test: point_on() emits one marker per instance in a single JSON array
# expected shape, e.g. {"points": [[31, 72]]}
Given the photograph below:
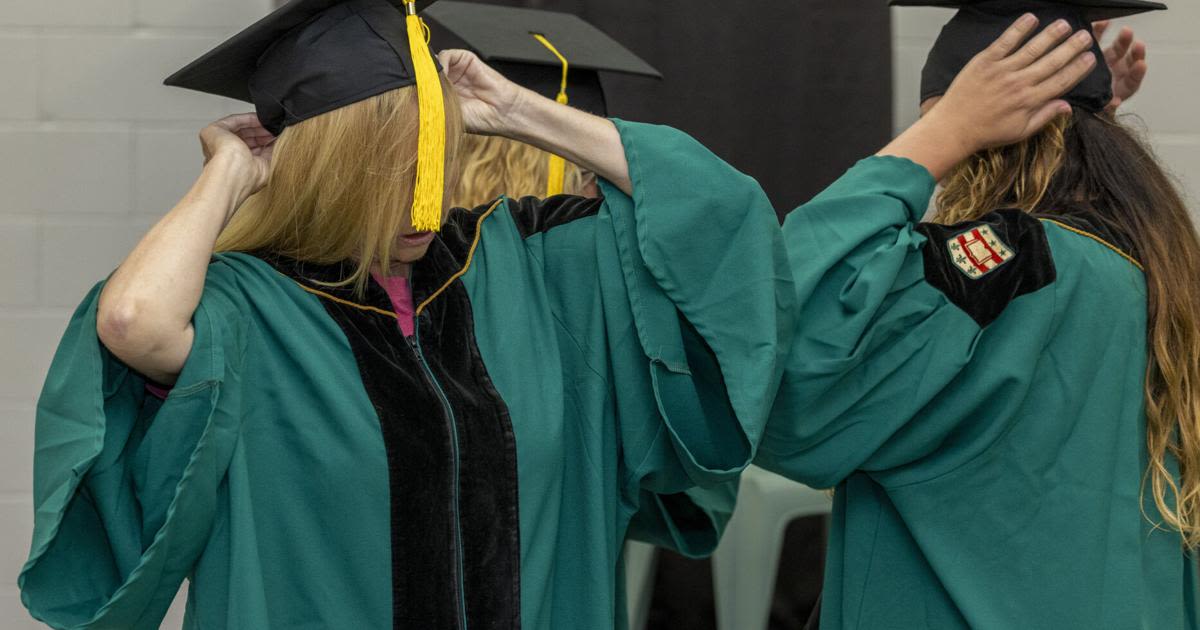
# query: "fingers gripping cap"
{"points": [[530, 47], [557, 55], [978, 23]]}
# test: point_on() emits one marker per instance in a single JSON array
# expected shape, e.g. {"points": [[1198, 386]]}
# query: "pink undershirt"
{"points": [[400, 294]]}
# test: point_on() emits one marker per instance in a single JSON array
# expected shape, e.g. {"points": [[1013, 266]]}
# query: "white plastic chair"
{"points": [[641, 560], [747, 560]]}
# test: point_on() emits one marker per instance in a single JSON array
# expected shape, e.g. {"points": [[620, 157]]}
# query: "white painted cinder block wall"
{"points": [[93, 150], [1168, 107]]}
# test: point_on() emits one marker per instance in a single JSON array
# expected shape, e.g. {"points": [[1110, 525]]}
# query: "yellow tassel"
{"points": [[557, 173], [431, 139]]}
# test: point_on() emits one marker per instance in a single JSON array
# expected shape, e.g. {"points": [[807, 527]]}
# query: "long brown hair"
{"points": [[494, 166], [1094, 164], [341, 184]]}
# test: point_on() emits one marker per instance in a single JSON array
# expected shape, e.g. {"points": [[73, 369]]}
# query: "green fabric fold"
{"points": [[710, 295], [125, 486]]}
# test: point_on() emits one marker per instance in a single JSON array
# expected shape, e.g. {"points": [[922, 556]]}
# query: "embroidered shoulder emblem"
{"points": [[978, 252]]}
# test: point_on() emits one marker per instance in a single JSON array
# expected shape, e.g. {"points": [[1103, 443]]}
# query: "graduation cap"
{"points": [[557, 55], [980, 22], [531, 48], [310, 57]]}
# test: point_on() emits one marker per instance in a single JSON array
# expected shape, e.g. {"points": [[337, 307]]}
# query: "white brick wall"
{"points": [[1167, 105], [92, 150]]}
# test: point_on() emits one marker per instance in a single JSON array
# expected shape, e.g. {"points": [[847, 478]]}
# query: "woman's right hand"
{"points": [[488, 98], [246, 147], [1009, 92], [1126, 58], [1005, 94]]}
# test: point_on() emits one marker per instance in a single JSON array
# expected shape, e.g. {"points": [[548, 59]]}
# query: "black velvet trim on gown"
{"points": [[1029, 269], [421, 439], [534, 216], [1095, 224]]}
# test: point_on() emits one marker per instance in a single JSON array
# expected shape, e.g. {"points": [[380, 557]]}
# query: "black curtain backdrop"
{"points": [[792, 92]]}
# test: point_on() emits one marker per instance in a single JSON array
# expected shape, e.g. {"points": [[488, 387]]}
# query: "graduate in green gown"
{"points": [[336, 455], [1005, 399]]}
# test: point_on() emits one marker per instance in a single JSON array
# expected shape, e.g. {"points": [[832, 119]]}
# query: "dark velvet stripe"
{"points": [[814, 617], [985, 298], [426, 582], [417, 437], [534, 216], [488, 497], [530, 214]]}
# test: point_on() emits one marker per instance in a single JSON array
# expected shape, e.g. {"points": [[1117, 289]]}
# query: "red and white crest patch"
{"points": [[978, 252]]}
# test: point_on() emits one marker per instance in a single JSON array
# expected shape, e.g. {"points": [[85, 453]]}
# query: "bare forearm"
{"points": [[929, 144], [146, 307], [589, 141]]}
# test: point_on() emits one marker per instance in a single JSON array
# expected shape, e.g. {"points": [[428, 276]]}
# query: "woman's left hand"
{"points": [[1005, 94], [493, 105], [1126, 57], [488, 99]]}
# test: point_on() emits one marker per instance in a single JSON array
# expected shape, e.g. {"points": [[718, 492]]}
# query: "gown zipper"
{"points": [[415, 343]]}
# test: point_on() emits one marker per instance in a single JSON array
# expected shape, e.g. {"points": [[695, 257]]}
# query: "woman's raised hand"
{"points": [[241, 141], [493, 105], [1010, 91], [1005, 94], [1126, 57], [488, 99]]}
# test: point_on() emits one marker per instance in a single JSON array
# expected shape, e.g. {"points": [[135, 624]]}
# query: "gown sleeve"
{"points": [[125, 484], [690, 523], [679, 297], [910, 336]]}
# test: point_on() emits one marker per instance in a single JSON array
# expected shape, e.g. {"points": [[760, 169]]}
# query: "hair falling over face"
{"points": [[1092, 165], [341, 185]]}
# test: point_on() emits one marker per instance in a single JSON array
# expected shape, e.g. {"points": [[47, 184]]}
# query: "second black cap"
{"points": [[521, 44]]}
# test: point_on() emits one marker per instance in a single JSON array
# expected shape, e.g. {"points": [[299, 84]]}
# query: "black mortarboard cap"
{"points": [[505, 38], [980, 22], [308, 57]]}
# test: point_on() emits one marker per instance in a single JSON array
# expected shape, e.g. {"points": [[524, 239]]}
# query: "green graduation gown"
{"points": [[975, 394], [582, 370]]}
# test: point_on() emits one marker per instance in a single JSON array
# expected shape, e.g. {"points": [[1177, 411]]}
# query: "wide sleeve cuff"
{"points": [[707, 281], [898, 178], [690, 523], [125, 484]]}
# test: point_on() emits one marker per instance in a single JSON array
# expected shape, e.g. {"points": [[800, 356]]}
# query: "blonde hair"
{"points": [[341, 185], [1093, 164], [494, 166], [1014, 176]]}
